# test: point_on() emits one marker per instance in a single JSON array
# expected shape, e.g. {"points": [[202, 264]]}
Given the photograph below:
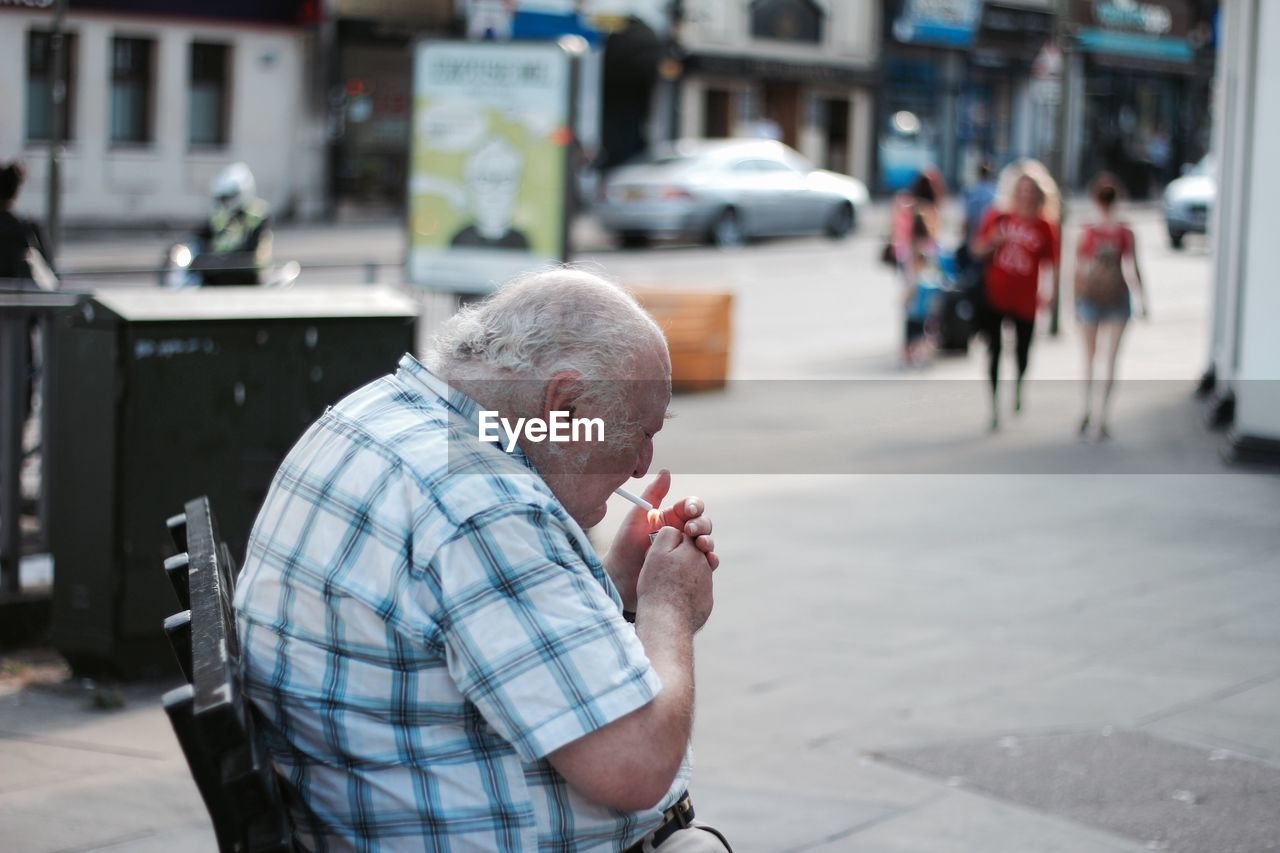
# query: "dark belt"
{"points": [[674, 819]]}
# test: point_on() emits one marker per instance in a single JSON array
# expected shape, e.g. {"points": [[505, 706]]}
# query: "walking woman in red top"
{"points": [[1104, 257], [1018, 241]]}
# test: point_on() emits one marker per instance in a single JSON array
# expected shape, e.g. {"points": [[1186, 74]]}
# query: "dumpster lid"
{"points": [[256, 303]]}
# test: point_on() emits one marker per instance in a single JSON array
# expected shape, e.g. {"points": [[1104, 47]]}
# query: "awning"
{"points": [[1160, 48]]}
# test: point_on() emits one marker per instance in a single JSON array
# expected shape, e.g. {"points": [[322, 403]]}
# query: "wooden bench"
{"points": [[213, 720]]}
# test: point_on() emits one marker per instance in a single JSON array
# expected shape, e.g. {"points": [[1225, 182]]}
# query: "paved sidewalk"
{"points": [[866, 628], [923, 663]]}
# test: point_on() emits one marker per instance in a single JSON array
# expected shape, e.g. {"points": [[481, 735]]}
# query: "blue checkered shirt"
{"points": [[421, 623]]}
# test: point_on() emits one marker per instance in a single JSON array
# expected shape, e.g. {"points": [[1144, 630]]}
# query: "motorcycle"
{"points": [[183, 266]]}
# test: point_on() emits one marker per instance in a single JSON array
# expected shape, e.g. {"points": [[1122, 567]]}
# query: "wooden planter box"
{"points": [[699, 330]]}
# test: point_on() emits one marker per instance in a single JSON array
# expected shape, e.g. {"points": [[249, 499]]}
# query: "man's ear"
{"points": [[562, 393]]}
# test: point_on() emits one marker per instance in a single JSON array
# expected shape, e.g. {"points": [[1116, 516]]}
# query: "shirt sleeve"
{"points": [[532, 638]]}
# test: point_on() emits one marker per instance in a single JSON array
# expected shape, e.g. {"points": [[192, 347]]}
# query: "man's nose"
{"points": [[644, 458]]}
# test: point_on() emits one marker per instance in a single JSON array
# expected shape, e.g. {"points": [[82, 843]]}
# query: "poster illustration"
{"points": [[487, 177]]}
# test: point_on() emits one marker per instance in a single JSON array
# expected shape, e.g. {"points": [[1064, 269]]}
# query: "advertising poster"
{"points": [[487, 176]]}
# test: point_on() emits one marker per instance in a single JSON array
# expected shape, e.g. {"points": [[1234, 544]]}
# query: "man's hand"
{"points": [[627, 553], [675, 583]]}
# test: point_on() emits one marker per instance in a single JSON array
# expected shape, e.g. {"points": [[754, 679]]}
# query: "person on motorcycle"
{"points": [[235, 243]]}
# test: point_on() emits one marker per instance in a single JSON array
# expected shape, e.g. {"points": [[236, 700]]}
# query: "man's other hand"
{"points": [[675, 581]]}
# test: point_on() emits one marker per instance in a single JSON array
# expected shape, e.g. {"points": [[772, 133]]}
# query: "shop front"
{"points": [[369, 69], [958, 88], [1147, 70], [821, 110], [925, 49]]}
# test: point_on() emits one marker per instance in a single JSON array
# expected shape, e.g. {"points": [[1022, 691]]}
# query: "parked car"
{"points": [[1188, 199], [727, 191]]}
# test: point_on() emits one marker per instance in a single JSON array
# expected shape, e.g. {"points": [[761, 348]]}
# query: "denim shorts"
{"points": [[1091, 313]]}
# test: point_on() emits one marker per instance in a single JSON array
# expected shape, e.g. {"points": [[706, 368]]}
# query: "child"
{"points": [[923, 285]]}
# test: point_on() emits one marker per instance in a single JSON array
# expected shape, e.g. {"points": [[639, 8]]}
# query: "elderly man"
{"points": [[440, 659]]}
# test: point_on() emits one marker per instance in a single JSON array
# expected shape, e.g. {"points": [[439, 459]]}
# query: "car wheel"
{"points": [[727, 231], [633, 239], [1175, 238], [840, 222]]}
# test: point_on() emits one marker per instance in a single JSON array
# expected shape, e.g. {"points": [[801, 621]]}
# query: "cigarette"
{"points": [[654, 515], [635, 499]]}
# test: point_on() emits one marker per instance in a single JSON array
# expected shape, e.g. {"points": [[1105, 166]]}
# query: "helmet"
{"points": [[233, 186]]}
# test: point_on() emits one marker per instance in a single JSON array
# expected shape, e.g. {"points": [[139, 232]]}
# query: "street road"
{"points": [[804, 308]]}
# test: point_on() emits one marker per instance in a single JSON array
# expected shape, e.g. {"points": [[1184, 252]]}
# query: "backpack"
{"points": [[1104, 282]]}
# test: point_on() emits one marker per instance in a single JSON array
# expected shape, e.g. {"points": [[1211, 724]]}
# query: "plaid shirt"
{"points": [[421, 623]]}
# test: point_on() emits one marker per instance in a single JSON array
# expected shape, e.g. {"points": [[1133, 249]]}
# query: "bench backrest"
{"points": [[211, 717]]}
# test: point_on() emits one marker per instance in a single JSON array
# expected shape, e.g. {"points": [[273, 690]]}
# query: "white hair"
{"points": [[544, 323]]}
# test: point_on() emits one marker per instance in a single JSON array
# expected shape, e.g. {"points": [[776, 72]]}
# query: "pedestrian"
{"points": [[440, 658], [21, 239], [24, 265], [914, 227], [977, 199], [1106, 271], [923, 290], [1018, 241]]}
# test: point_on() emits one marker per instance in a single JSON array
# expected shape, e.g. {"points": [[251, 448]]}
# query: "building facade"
{"points": [[1140, 77], [966, 80], [802, 71], [1244, 355], [159, 98], [958, 87]]}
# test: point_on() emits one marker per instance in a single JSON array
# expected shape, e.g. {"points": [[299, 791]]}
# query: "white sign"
{"points": [[488, 162]]}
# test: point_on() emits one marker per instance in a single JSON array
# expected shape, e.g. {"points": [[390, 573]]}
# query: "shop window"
{"points": [[40, 85], [787, 20], [131, 88], [207, 107]]}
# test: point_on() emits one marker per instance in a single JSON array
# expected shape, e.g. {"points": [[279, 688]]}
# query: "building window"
{"points": [[787, 20], [207, 108], [40, 85], [131, 68]]}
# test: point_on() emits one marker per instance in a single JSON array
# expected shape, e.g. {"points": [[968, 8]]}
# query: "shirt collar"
{"points": [[460, 405]]}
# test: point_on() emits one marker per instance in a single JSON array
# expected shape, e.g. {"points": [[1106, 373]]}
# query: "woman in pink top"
{"points": [[1106, 271]]}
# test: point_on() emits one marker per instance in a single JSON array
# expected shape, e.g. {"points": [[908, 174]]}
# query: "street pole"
{"points": [[332, 102], [57, 130], [1061, 152]]}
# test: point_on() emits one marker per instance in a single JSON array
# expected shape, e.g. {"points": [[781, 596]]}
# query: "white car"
{"points": [[727, 191], [1188, 199]]}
